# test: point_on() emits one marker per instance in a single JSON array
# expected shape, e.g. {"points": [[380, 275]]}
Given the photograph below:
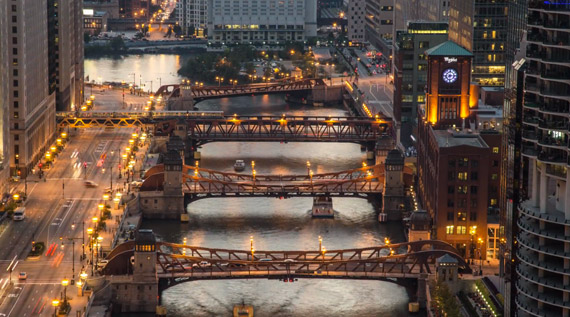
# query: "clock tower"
{"points": [[449, 74]]}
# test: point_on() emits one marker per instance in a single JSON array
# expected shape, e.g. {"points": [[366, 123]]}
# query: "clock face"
{"points": [[449, 75]]}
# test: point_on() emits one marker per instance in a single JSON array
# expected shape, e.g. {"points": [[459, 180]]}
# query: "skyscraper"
{"points": [[4, 102], [45, 54], [542, 231], [192, 16], [512, 183], [480, 26]]}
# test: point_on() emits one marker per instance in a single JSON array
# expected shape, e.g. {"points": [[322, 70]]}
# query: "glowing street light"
{"points": [[320, 243]]}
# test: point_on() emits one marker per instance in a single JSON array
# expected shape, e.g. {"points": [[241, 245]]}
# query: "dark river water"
{"points": [[275, 224]]}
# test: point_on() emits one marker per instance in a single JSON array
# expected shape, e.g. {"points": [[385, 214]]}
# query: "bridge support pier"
{"points": [[422, 290]]}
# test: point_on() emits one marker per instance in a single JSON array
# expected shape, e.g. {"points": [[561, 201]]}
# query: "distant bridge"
{"points": [[209, 92], [202, 183]]}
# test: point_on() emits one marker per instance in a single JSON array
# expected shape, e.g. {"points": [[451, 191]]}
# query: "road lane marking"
{"points": [[15, 303]]}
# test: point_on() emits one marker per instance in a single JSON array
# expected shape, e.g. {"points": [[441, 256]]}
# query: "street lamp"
{"points": [[320, 243], [311, 179], [64, 283], [55, 303], [323, 251], [308, 168]]}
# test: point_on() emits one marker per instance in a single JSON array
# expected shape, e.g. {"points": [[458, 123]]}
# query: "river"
{"points": [[275, 224]]}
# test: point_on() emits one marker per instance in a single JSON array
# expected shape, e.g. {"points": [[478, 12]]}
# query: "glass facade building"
{"points": [[480, 26]]}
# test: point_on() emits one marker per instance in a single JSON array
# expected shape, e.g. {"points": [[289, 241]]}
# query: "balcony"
{"points": [[557, 171], [552, 142], [555, 93], [531, 259], [554, 158], [551, 215], [529, 225], [530, 104], [529, 151], [531, 292], [552, 125], [555, 75], [530, 135], [523, 271], [530, 307], [530, 242], [530, 120]]}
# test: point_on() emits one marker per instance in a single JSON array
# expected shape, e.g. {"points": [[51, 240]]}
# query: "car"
{"points": [[90, 184], [23, 276]]}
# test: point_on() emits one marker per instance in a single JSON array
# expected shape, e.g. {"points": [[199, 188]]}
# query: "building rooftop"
{"points": [[427, 27], [446, 259], [450, 138], [448, 48]]}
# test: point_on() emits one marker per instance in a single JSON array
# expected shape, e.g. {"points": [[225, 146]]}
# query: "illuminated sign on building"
{"points": [[450, 59]]}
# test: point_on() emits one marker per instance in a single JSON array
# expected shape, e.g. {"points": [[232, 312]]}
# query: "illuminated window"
{"points": [[461, 216], [495, 149], [473, 230], [421, 98], [493, 201], [494, 176], [449, 229], [462, 176], [461, 230]]}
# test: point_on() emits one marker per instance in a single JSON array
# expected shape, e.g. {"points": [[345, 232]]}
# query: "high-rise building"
{"points": [[512, 183], [66, 53], [4, 100], [356, 21], [379, 24], [542, 261], [410, 66], [192, 16], [263, 21], [458, 164], [45, 54], [480, 26]]}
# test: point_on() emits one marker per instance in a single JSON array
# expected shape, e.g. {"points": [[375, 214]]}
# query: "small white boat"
{"points": [[239, 165]]}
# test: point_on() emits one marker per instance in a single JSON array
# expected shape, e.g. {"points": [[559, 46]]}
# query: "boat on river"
{"points": [[243, 310], [239, 165]]}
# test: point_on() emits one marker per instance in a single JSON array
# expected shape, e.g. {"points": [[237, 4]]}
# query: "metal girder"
{"points": [[287, 129], [374, 262]]}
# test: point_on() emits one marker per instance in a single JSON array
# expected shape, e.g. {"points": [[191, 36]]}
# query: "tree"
{"points": [[445, 300], [117, 44], [249, 68]]}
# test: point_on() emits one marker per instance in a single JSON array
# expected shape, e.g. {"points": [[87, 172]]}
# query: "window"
{"points": [[462, 189], [473, 216], [15, 94], [461, 216], [452, 163], [450, 176], [450, 216], [495, 149], [495, 163], [474, 190], [422, 67], [464, 162], [494, 176], [493, 201], [449, 230], [474, 164], [16, 104], [450, 203], [450, 190], [473, 203], [474, 176], [461, 230], [16, 115], [424, 44], [462, 176], [462, 203]]}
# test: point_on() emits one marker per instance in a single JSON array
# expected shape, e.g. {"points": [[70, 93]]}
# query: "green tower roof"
{"points": [[448, 48]]}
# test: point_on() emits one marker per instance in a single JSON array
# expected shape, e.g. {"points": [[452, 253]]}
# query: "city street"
{"points": [[58, 206], [378, 90]]}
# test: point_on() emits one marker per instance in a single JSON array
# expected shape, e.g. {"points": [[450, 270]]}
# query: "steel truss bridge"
{"points": [[281, 129], [202, 183], [203, 127], [177, 263], [209, 92]]}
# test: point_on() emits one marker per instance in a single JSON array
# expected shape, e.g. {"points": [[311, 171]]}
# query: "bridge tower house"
{"points": [[185, 101], [168, 203], [138, 293], [420, 226], [393, 195]]}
